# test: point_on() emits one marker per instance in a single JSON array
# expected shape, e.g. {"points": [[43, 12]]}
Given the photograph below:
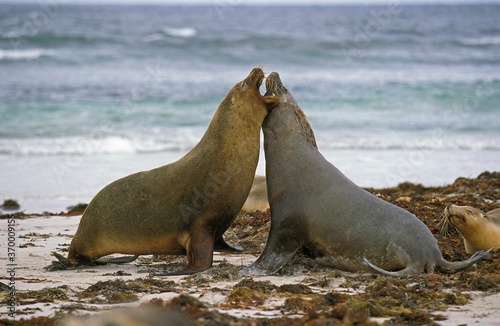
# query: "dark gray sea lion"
{"points": [[315, 207], [480, 231], [182, 208], [257, 198]]}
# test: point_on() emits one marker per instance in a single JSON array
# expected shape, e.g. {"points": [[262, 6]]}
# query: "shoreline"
{"points": [[306, 290], [52, 183]]}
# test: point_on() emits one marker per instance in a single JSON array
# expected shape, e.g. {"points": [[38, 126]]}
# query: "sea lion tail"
{"points": [[409, 270], [459, 265]]}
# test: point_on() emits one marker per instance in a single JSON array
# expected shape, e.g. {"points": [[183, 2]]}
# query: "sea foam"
{"points": [[30, 54], [185, 32]]}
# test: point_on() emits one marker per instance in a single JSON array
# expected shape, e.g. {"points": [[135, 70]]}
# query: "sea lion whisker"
{"points": [[445, 226]]}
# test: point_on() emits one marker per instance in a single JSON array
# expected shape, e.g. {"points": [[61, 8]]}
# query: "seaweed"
{"points": [[295, 289], [244, 297], [44, 295], [119, 291]]}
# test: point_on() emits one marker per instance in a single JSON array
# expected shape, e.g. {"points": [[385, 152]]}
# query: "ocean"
{"points": [[91, 93]]}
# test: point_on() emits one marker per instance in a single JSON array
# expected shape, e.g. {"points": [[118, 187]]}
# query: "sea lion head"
{"points": [[247, 93], [463, 218], [479, 230], [286, 118]]}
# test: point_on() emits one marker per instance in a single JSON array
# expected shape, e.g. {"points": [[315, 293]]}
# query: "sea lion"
{"points": [[145, 315], [257, 198], [182, 208], [480, 231], [317, 208]]}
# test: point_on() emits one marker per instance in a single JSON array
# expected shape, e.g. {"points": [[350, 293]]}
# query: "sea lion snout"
{"points": [[274, 86], [463, 213], [254, 79], [454, 215]]}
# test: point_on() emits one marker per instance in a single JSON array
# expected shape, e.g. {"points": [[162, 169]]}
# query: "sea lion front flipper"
{"points": [[271, 101], [280, 248], [221, 245], [62, 263], [468, 247], [199, 251]]}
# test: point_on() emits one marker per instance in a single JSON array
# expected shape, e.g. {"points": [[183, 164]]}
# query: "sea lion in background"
{"points": [[145, 315], [480, 231], [315, 207], [257, 199], [182, 208]]}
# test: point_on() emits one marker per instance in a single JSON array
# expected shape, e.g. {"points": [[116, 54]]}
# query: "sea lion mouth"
{"points": [[453, 216], [274, 86], [259, 81], [254, 79], [270, 87]]}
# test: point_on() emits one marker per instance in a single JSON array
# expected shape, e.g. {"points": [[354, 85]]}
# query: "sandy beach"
{"points": [[306, 291]]}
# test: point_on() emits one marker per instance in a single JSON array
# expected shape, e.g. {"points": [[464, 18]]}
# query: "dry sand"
{"points": [[306, 291]]}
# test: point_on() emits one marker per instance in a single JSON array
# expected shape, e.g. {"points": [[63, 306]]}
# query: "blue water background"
{"points": [[91, 93]]}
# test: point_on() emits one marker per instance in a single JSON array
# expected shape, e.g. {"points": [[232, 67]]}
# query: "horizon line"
{"points": [[257, 3]]}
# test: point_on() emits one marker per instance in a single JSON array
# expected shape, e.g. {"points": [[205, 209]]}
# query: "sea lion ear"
{"points": [[271, 101]]}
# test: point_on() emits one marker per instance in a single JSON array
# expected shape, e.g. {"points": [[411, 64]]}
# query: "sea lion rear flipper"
{"points": [[221, 245], [407, 271], [459, 265]]}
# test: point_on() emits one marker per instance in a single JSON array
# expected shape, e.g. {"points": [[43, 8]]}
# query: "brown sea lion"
{"points": [[182, 208], [480, 231], [257, 199], [317, 208]]}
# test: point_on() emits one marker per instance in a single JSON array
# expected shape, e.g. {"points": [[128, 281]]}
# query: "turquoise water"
{"points": [[381, 86]]}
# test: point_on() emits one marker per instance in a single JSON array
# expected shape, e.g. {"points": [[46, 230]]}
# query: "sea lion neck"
{"points": [[288, 121], [238, 119]]}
